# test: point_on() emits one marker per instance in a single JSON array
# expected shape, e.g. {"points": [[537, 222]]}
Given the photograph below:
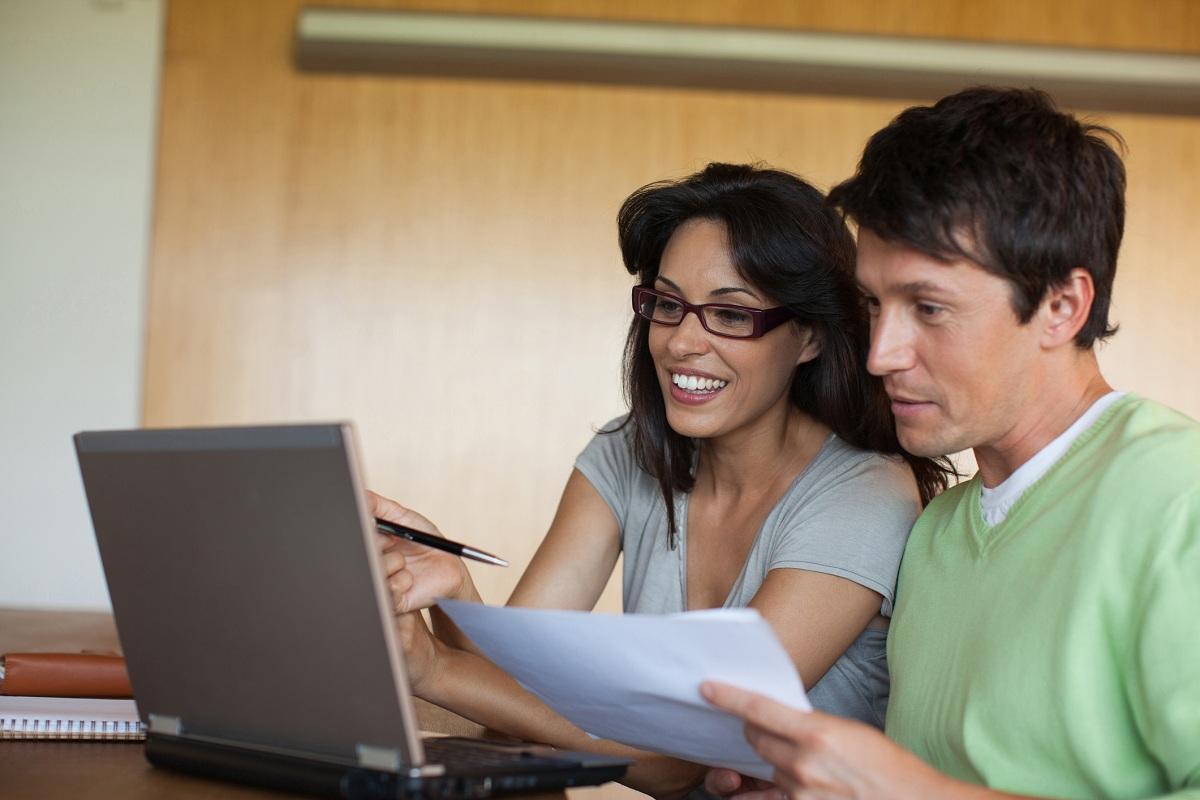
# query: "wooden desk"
{"points": [[83, 770]]}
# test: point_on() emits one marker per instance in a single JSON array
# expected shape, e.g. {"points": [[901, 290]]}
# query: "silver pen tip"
{"points": [[487, 558]]}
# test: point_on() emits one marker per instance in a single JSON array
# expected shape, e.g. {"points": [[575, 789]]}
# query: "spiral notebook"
{"points": [[69, 718]]}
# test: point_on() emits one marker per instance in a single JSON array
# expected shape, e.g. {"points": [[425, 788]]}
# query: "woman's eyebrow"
{"points": [[669, 283], [715, 293], [734, 290]]}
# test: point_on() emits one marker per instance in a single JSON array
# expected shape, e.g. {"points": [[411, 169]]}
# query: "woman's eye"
{"points": [[872, 305], [729, 317], [669, 307]]}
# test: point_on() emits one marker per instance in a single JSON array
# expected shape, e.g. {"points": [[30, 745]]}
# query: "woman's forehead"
{"points": [[697, 260]]}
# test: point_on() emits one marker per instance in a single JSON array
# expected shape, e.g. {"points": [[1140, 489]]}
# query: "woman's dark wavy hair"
{"points": [[788, 243]]}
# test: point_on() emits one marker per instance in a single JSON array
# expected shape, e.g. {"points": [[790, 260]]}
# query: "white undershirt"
{"points": [[996, 502]]}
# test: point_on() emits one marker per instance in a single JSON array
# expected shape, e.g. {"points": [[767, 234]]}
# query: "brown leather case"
{"points": [[65, 675]]}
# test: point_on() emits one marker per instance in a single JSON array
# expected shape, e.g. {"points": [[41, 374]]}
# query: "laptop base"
{"points": [[311, 776]]}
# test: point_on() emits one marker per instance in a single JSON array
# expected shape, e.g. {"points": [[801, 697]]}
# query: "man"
{"points": [[1046, 636]]}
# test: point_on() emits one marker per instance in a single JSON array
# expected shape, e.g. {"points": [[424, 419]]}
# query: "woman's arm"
{"points": [[474, 687], [576, 559], [572, 564], [568, 571], [816, 616]]}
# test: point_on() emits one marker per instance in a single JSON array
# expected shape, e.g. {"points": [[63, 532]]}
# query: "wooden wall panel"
{"points": [[1157, 25], [1158, 284], [436, 259]]}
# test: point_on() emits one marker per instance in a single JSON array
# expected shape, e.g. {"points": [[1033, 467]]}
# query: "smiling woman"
{"points": [[758, 466]]}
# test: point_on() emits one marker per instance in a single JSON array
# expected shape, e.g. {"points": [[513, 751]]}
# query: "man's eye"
{"points": [[927, 310]]}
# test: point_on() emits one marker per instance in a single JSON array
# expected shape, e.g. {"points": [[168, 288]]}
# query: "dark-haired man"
{"points": [[1046, 636]]}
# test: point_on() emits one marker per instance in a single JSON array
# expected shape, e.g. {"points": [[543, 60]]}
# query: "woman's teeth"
{"points": [[691, 383]]}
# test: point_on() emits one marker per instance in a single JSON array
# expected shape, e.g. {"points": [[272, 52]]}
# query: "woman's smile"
{"points": [[694, 389]]}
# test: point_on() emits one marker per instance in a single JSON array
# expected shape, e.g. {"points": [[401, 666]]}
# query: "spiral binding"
{"points": [[83, 729]]}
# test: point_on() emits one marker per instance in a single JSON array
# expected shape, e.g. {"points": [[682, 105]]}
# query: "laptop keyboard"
{"points": [[459, 753]]}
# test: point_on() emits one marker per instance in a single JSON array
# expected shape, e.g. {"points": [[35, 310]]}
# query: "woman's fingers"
{"points": [[393, 561], [399, 584], [386, 508]]}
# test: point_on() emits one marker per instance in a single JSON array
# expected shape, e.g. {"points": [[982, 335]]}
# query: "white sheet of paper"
{"points": [[635, 678]]}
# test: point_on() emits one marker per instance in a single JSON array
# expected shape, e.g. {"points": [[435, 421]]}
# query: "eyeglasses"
{"points": [[733, 322]]}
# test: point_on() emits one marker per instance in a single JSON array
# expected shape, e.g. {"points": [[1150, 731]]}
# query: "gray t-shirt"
{"points": [[847, 514]]}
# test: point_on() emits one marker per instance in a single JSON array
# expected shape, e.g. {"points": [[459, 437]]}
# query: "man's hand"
{"points": [[726, 782], [817, 755]]}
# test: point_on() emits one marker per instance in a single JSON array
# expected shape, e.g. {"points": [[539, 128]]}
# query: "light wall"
{"points": [[435, 259], [78, 92]]}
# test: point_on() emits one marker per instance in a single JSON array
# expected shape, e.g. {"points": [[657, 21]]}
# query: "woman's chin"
{"points": [[693, 423]]}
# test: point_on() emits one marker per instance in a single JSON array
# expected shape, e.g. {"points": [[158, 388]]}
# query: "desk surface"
{"points": [[82, 770]]}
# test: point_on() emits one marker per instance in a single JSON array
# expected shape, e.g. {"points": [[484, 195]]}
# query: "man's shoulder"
{"points": [[946, 503], [1147, 442]]}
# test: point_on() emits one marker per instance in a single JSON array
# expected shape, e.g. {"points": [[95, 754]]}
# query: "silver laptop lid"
{"points": [[247, 588]]}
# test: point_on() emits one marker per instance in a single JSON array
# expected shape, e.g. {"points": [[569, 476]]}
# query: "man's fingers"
{"points": [[756, 709], [731, 784], [775, 750], [773, 793], [722, 781]]}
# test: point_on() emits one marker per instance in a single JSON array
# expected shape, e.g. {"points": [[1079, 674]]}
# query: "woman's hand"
{"points": [[422, 652], [417, 575]]}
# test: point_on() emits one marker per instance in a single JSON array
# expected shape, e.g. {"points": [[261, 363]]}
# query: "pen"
{"points": [[438, 543]]}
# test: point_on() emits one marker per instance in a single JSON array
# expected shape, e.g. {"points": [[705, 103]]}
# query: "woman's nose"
{"points": [[689, 336]]}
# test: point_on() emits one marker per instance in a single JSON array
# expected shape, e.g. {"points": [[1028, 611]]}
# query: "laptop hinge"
{"points": [[388, 759], [373, 757], [161, 723]]}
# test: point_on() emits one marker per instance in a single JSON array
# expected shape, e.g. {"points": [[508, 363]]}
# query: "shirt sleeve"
{"points": [[608, 464], [1164, 690], [853, 525]]}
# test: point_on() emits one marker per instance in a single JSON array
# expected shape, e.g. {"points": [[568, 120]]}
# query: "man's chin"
{"points": [[920, 441]]}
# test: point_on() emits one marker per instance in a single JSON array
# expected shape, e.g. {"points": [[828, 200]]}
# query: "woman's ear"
{"points": [[811, 344]]}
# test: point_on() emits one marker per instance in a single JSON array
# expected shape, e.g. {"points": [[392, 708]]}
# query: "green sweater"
{"points": [[1057, 653]]}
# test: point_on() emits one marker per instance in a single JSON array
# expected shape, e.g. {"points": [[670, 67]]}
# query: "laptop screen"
{"points": [[247, 590]]}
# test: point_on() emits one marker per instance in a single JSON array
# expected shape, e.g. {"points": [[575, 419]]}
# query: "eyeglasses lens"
{"points": [[729, 321], [667, 310]]}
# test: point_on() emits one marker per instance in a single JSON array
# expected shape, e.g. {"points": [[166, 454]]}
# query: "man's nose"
{"points": [[891, 345]]}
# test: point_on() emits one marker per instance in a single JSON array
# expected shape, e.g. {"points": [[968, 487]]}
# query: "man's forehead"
{"points": [[897, 266]]}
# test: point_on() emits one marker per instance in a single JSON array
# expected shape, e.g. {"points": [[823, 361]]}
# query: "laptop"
{"points": [[257, 627]]}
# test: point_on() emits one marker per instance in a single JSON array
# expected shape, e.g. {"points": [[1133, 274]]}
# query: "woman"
{"points": [[758, 465]]}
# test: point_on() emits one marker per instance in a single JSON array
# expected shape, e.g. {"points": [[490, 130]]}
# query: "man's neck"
{"points": [[1059, 402]]}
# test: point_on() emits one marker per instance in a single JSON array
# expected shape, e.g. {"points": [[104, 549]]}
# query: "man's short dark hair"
{"points": [[1005, 179]]}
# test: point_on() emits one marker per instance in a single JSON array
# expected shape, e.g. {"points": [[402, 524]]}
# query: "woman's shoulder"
{"points": [[609, 455], [614, 436], [842, 465], [846, 487]]}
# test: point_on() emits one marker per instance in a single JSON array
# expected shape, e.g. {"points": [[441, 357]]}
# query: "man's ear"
{"points": [[1065, 308]]}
